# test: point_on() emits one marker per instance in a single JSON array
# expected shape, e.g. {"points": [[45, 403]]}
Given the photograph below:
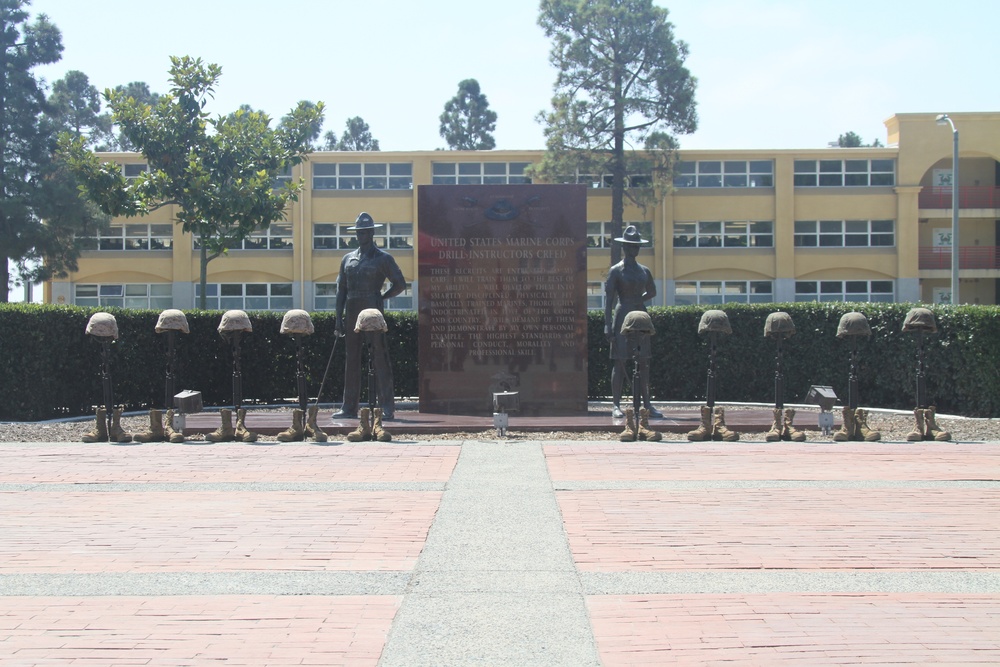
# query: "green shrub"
{"points": [[51, 368]]}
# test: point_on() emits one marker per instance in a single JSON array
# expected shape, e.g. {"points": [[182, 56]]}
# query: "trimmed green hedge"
{"points": [[50, 368]]}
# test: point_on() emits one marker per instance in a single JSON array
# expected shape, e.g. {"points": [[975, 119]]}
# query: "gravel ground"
{"points": [[893, 426]]}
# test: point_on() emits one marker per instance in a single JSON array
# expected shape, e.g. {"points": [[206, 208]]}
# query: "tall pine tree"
{"points": [[621, 84], [467, 123], [40, 209]]}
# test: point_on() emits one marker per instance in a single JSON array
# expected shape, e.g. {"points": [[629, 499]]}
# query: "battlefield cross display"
{"points": [[503, 298]]}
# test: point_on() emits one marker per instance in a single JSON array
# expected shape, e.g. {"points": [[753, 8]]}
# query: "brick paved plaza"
{"points": [[516, 552]]}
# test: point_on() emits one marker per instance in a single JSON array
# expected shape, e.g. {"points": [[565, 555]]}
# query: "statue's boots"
{"points": [[704, 430], [846, 430], [100, 432], [242, 433], [918, 432], [116, 433], [225, 432], [364, 430], [155, 432], [296, 432], [863, 430], [789, 432], [312, 429], [719, 429], [380, 433], [168, 428], [646, 433], [777, 427], [629, 434], [934, 432]]}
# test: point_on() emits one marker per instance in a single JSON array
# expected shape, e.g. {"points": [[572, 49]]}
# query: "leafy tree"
{"points": [[112, 139], [621, 84], [77, 106], [357, 137], [468, 122], [329, 142], [217, 172], [853, 140], [315, 128], [40, 208]]}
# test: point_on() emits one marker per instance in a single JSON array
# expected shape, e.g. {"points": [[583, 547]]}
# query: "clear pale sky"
{"points": [[771, 73]]}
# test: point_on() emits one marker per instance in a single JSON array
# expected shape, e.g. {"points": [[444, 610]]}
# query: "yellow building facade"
{"points": [[750, 226]]}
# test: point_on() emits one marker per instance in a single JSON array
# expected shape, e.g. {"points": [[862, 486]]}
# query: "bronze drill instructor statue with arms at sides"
{"points": [[629, 286], [363, 272]]}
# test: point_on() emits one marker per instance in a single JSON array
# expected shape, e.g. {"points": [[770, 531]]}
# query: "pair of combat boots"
{"points": [[226, 432], [303, 426], [160, 429], [370, 427], [782, 427], [101, 433], [855, 427], [638, 429], [927, 428], [713, 426]]}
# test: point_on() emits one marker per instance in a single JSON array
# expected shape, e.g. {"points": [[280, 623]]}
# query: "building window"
{"points": [[362, 176], [402, 301], [844, 233], [246, 296], [724, 234], [600, 234], [692, 293], [607, 180], [725, 174], [479, 173], [845, 173], [326, 298], [134, 169], [335, 236], [157, 296], [844, 290], [131, 236], [284, 177], [278, 236], [595, 296]]}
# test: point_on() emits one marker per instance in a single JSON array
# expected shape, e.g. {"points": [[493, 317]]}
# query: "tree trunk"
{"points": [[203, 278], [5, 282], [618, 172]]}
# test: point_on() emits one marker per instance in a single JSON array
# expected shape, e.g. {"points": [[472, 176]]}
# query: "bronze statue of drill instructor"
{"points": [[363, 272], [628, 287]]}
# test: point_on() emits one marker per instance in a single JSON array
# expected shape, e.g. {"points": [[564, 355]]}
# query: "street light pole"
{"points": [[944, 119]]}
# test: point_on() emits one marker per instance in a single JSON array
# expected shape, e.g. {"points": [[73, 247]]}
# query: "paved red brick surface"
{"points": [[213, 531], [216, 463], [636, 517], [676, 461], [171, 631], [797, 629], [704, 512], [911, 528]]}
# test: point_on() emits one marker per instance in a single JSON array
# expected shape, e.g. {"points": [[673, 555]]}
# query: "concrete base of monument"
{"points": [[677, 418]]}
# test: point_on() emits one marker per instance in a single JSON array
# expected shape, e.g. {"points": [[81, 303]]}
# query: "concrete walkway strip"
{"points": [[496, 583]]}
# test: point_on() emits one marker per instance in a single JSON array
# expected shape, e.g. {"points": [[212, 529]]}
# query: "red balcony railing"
{"points": [[968, 197], [969, 257]]}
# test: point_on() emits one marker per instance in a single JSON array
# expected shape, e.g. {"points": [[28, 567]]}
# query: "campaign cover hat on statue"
{"points": [[363, 222], [632, 236]]}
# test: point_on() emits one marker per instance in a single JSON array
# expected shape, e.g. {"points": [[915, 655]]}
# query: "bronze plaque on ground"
{"points": [[503, 298]]}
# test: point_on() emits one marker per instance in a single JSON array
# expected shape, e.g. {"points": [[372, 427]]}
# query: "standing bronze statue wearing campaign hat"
{"points": [[363, 273], [628, 287]]}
